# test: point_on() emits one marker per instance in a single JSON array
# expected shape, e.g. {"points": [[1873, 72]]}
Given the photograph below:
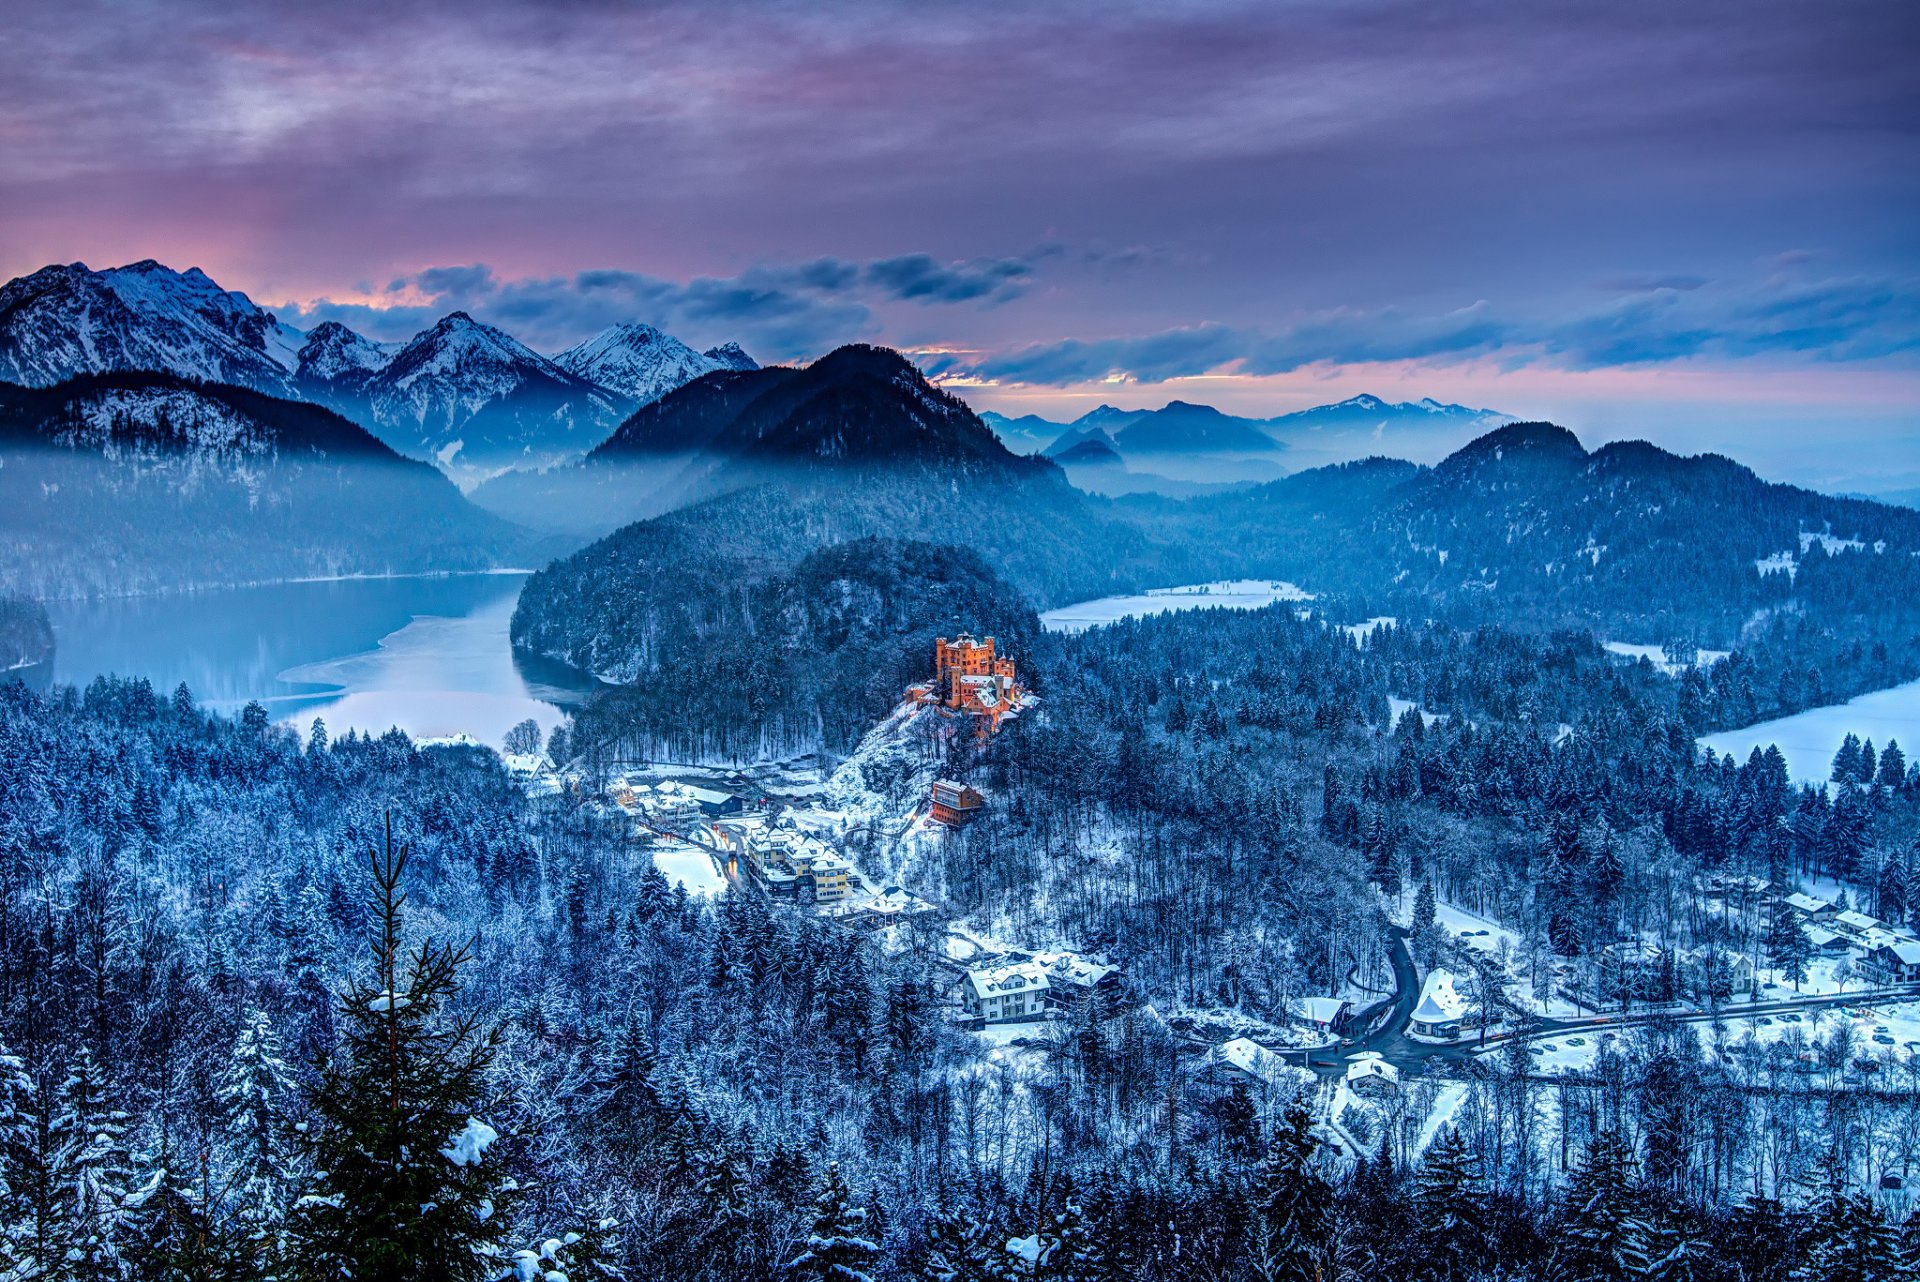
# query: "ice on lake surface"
{"points": [[1809, 739], [430, 655], [1227, 594]]}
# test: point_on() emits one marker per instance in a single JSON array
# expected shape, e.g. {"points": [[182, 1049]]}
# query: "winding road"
{"points": [[1386, 1021]]}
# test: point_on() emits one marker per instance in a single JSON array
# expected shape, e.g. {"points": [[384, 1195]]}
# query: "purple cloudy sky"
{"points": [[1694, 221]]}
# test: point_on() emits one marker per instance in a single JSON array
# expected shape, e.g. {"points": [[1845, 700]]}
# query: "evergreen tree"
{"points": [[100, 1188], [1293, 1207], [1787, 945], [1603, 1237], [836, 1249], [406, 1184], [264, 1173], [34, 1219], [1449, 1206], [1845, 1238]]}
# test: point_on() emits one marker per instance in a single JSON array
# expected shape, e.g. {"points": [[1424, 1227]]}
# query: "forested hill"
{"points": [[1527, 526], [137, 482], [858, 408], [1524, 527]]}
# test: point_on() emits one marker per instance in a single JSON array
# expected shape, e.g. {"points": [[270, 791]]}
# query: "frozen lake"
{"points": [[1809, 739], [1227, 594], [429, 655]]}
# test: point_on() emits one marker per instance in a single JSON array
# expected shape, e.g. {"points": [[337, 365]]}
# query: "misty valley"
{"points": [[635, 813]]}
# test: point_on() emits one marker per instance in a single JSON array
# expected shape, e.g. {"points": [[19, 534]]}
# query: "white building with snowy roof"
{"points": [[1441, 1009], [1369, 1072], [1809, 907], [1244, 1055], [1898, 960], [1030, 987], [1322, 1013], [997, 994]]}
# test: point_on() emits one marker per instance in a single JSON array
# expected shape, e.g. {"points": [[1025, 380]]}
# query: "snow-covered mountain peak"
{"points": [[731, 356], [636, 360], [457, 342], [333, 351]]}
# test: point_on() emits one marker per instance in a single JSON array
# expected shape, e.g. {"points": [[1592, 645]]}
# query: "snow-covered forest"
{"points": [[244, 1039]]}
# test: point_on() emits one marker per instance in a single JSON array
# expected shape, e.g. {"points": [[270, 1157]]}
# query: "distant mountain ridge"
{"points": [[856, 409], [462, 394], [138, 481], [1185, 448]]}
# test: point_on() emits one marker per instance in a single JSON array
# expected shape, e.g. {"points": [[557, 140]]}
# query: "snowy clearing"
{"points": [[1809, 739], [1657, 656], [1227, 594], [688, 865]]}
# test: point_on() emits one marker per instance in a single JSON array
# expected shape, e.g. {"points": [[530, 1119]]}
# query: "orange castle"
{"points": [[968, 677]]}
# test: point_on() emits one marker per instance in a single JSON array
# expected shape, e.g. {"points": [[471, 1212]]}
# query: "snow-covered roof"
{"points": [[1908, 951], [1255, 1060], [1319, 1010], [1014, 977], [1440, 1000], [1806, 903], [1821, 937], [1072, 968], [1245, 1054], [1371, 1066], [1854, 920]]}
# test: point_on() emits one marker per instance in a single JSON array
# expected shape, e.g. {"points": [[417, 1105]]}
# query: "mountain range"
{"points": [[462, 394], [1183, 448]]}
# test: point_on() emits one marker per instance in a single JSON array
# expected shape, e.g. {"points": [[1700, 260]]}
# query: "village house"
{"points": [[1248, 1058], [1033, 987], [1441, 1010], [874, 912], [998, 994], [1369, 1074], [1807, 908], [1826, 943], [1323, 1014], [1854, 925], [1898, 960]]}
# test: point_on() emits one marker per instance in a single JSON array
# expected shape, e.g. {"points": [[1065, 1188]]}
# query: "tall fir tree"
{"points": [[837, 1248], [406, 1186], [264, 1172], [1449, 1211]]}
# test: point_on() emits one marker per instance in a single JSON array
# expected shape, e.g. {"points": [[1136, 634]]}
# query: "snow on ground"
{"points": [[1361, 631], [1227, 594], [1005, 1034], [1398, 707], [686, 864], [1657, 656], [1445, 1104], [1809, 739]]}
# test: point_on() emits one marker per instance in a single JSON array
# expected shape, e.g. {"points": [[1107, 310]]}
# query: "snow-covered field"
{"points": [[686, 864], [1228, 594], [1809, 739], [1657, 656]]}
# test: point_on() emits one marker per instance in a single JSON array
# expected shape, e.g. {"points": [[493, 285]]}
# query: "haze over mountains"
{"points": [[462, 394], [124, 483], [1183, 448]]}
